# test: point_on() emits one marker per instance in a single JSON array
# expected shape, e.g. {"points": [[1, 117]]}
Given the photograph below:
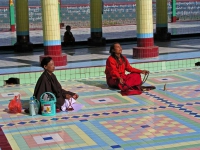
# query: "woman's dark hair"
{"points": [[68, 27], [112, 47], [45, 61]]}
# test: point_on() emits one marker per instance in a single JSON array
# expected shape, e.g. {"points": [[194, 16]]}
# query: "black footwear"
{"points": [[58, 110], [26, 110], [148, 88]]}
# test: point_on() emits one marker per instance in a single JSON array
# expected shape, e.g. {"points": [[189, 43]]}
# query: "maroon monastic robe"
{"points": [[115, 70], [49, 83]]}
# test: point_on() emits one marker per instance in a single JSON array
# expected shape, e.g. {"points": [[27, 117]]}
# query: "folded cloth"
{"points": [[68, 104]]}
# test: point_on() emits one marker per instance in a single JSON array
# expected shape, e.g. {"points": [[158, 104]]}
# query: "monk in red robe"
{"points": [[116, 65]]}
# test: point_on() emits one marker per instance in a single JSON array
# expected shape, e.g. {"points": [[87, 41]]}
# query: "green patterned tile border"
{"points": [[81, 73]]}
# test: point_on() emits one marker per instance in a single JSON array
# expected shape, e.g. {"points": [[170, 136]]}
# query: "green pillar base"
{"points": [[12, 28], [97, 41], [23, 47], [174, 19], [162, 37], [23, 44], [162, 34]]}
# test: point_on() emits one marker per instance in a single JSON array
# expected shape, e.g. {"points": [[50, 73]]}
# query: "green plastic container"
{"points": [[48, 106]]}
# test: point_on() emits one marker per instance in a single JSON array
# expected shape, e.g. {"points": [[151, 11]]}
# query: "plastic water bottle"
{"points": [[36, 106], [33, 106], [46, 97]]}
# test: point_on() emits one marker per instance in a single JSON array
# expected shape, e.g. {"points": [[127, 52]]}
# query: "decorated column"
{"points": [[22, 26], [173, 3], [96, 23], [51, 32], [12, 16], [59, 12], [162, 21], [145, 42]]}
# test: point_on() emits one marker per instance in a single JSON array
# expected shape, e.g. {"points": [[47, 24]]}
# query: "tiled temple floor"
{"points": [[78, 57], [105, 120], [167, 120]]}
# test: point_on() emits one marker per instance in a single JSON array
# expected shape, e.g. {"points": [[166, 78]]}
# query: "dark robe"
{"points": [[68, 37], [49, 83]]}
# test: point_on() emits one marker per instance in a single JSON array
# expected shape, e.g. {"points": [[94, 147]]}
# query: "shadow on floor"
{"points": [[25, 104], [100, 84]]}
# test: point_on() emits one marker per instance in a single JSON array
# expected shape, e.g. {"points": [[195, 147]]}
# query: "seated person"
{"points": [[68, 36], [49, 83], [116, 65]]}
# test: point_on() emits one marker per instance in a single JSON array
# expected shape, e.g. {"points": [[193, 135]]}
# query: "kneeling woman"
{"points": [[116, 65], [49, 83]]}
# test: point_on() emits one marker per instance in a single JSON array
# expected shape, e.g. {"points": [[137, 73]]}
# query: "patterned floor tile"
{"points": [[69, 136], [146, 127], [156, 119], [11, 93], [179, 94], [186, 91], [169, 79], [106, 100]]}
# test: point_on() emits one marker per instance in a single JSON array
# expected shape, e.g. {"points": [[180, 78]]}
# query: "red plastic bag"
{"points": [[15, 105]]}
